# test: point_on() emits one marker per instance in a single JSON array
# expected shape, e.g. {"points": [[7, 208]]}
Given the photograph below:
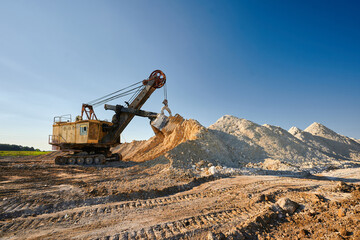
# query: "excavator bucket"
{"points": [[159, 123]]}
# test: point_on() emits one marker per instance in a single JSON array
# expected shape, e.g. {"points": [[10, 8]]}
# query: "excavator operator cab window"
{"points": [[83, 130]]}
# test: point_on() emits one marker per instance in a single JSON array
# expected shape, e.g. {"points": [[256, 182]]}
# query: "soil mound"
{"points": [[255, 143], [320, 130], [235, 142], [177, 131], [329, 142]]}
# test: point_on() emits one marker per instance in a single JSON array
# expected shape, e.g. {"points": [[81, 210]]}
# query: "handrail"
{"points": [[63, 118], [55, 139]]}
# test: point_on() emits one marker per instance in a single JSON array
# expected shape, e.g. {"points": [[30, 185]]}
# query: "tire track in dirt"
{"points": [[75, 214], [189, 226], [72, 217], [178, 229], [11, 209]]}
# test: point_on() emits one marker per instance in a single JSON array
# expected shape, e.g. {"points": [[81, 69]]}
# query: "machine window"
{"points": [[83, 130]]}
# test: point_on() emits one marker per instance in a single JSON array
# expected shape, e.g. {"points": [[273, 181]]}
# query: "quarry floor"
{"points": [[152, 200]]}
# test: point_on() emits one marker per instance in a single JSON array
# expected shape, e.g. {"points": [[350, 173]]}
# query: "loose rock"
{"points": [[287, 205]]}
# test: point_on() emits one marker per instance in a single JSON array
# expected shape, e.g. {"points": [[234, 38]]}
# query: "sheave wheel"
{"points": [[159, 77]]}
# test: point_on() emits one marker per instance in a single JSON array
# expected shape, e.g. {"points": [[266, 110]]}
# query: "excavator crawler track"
{"points": [[88, 159]]}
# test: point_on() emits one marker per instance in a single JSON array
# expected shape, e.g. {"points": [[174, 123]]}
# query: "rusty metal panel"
{"points": [[56, 130], [71, 133], [64, 132], [93, 133], [101, 132], [81, 132]]}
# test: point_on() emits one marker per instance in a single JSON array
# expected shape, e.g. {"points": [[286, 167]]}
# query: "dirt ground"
{"points": [[152, 200]]}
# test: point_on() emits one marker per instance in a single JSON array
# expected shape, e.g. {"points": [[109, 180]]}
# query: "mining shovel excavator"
{"points": [[89, 140]]}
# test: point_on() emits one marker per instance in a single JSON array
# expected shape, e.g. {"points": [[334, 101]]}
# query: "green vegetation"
{"points": [[21, 153], [18, 150], [13, 147]]}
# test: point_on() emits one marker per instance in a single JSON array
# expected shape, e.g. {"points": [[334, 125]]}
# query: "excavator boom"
{"points": [[121, 118]]}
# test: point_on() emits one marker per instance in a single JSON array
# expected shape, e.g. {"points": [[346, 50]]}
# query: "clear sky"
{"points": [[285, 63]]}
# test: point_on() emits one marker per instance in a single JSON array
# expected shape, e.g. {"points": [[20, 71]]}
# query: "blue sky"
{"points": [[285, 63]]}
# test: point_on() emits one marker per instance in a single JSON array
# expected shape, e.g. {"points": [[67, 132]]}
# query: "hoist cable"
{"points": [[108, 95], [114, 97], [165, 91], [135, 94], [122, 93], [128, 92]]}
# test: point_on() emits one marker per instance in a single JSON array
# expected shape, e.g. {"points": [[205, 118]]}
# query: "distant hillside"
{"points": [[13, 147]]}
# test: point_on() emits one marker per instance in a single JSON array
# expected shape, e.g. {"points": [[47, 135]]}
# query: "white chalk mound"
{"points": [[255, 143], [329, 142], [235, 142]]}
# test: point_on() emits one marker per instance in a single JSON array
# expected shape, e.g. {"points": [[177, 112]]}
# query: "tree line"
{"points": [[13, 147]]}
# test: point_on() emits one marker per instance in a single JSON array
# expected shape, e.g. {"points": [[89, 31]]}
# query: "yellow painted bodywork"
{"points": [[79, 132]]}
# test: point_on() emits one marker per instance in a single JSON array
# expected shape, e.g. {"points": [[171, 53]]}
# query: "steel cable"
{"points": [[95, 101], [123, 94], [136, 94], [165, 91]]}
